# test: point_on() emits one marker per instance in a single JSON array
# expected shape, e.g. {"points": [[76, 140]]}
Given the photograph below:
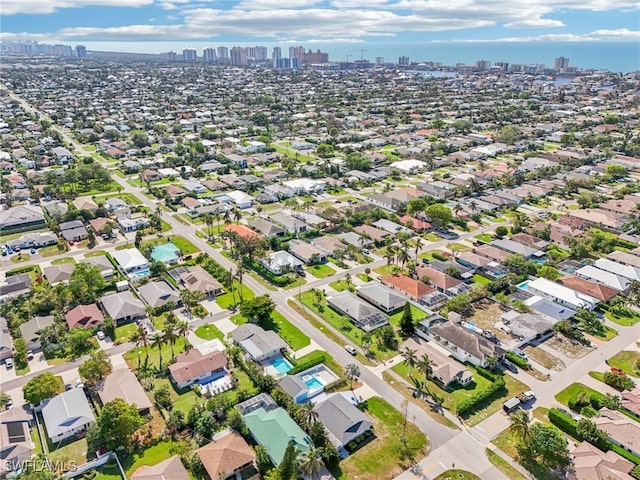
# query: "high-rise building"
{"points": [[238, 56], [561, 64], [209, 55], [403, 61], [171, 56], [64, 50], [504, 66], [81, 51], [276, 55], [296, 52], [379, 61], [189, 55], [223, 54], [483, 65], [260, 53]]}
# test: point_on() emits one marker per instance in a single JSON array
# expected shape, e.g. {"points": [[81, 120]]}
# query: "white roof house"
{"points": [[241, 199], [629, 272], [305, 185], [603, 277], [130, 260], [560, 294], [281, 262], [67, 414], [409, 165]]}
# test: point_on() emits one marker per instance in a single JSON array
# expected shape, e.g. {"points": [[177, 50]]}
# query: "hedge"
{"points": [[563, 421], [278, 280], [623, 453], [439, 256], [519, 361], [488, 374], [312, 362], [496, 389], [28, 268]]}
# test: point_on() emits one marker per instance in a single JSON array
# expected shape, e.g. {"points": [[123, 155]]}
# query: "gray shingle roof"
{"points": [[342, 419], [67, 411]]}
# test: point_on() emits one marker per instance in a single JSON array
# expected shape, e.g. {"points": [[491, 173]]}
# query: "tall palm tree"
{"points": [[237, 215], [170, 336], [311, 463], [182, 329], [352, 371], [208, 220], [424, 365], [157, 340], [418, 243], [519, 425], [239, 276], [139, 337], [410, 358], [309, 414], [390, 254]]}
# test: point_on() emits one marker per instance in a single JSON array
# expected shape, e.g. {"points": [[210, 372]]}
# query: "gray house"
{"points": [[122, 306], [258, 344], [158, 294], [30, 331], [343, 420], [359, 312], [6, 343], [67, 414], [382, 297]]}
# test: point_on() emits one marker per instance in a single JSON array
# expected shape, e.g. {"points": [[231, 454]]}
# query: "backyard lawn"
{"points": [[149, 456], [209, 332], [627, 361], [321, 270], [124, 332], [480, 280], [185, 246], [150, 356], [182, 402], [416, 312], [109, 471], [291, 334], [565, 395], [228, 299], [380, 459]]}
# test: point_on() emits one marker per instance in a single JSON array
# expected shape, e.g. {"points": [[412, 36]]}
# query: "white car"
{"points": [[351, 349], [79, 383], [9, 363], [100, 335]]}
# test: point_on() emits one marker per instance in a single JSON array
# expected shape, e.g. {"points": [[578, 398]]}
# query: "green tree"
{"points": [[519, 425], [549, 272], [42, 386], [157, 340], [502, 231], [20, 353], [288, 466], [162, 397], [587, 430], [311, 463], [95, 368], [616, 171], [85, 283], [117, 422], [262, 460], [4, 400], [546, 444], [439, 215], [324, 150], [407, 325], [410, 358], [351, 371], [424, 365], [258, 308], [78, 341]]}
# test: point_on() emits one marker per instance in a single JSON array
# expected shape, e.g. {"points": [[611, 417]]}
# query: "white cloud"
{"points": [[535, 23], [621, 34], [12, 7]]}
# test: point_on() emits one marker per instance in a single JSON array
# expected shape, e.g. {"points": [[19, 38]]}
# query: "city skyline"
{"points": [[332, 21]]}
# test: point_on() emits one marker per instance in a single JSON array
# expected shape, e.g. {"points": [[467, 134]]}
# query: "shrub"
{"points": [[439, 256], [519, 361], [312, 362], [619, 382], [502, 231], [563, 421], [468, 405], [588, 411], [483, 372]]}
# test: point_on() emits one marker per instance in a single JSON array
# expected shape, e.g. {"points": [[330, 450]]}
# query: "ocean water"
{"points": [[612, 56]]}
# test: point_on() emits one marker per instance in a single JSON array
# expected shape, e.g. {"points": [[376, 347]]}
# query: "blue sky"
{"points": [[320, 21]]}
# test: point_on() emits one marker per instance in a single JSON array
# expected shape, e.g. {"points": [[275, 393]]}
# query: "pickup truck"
{"points": [[524, 397]]}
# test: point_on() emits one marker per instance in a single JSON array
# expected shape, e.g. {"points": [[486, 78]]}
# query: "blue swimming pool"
{"points": [[166, 252], [313, 383], [142, 273], [281, 365], [524, 286]]}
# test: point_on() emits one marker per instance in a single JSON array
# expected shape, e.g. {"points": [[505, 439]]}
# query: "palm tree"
{"points": [[410, 358], [519, 425], [208, 220], [239, 276], [352, 372], [183, 329], [424, 365], [157, 340], [456, 209], [311, 463], [390, 254], [347, 280], [309, 414], [170, 336], [417, 244], [139, 337], [237, 215]]}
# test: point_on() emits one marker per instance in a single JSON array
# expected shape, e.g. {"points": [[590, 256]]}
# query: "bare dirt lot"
{"points": [[486, 315], [568, 348], [548, 361]]}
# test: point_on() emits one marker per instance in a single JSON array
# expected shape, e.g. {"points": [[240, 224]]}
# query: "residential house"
{"points": [[227, 456], [175, 192], [241, 199], [305, 185], [630, 401], [259, 344], [329, 245], [122, 306], [344, 422], [548, 309], [391, 227], [591, 463], [16, 445], [604, 277], [382, 297], [85, 203], [58, 273], [169, 469], [526, 327], [442, 282], [629, 272], [128, 225], [415, 223], [560, 294], [530, 240], [437, 189], [84, 316], [192, 366], [625, 258], [123, 383], [102, 263], [281, 262], [6, 341], [619, 429], [266, 227], [33, 240], [67, 414], [595, 290], [63, 155], [279, 191], [358, 311], [453, 269], [275, 430], [241, 230], [148, 176], [447, 371], [464, 345], [314, 221], [373, 233], [291, 224], [131, 262], [22, 217], [414, 289], [492, 253], [197, 278], [383, 201], [158, 294], [600, 218], [356, 239], [30, 331], [517, 248], [14, 286], [306, 252]]}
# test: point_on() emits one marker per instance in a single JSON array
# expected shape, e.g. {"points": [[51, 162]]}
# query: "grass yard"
{"points": [[458, 475], [321, 270], [209, 332], [20, 257], [185, 246], [62, 260], [227, 300], [50, 251], [109, 471], [340, 285], [149, 456], [380, 459], [95, 253], [627, 361], [504, 466], [459, 247], [432, 237], [417, 313], [484, 237], [565, 395], [620, 315], [608, 335], [480, 280], [505, 442], [124, 332], [130, 198], [180, 401], [150, 356], [75, 451], [287, 330], [544, 358]]}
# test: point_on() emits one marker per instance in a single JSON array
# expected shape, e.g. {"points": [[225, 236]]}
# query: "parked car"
{"points": [[9, 404], [9, 363], [29, 354], [33, 251], [509, 366], [68, 387], [351, 349], [100, 335], [79, 383]]}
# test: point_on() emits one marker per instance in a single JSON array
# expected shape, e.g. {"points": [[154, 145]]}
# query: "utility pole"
{"points": [[362, 54], [348, 55]]}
